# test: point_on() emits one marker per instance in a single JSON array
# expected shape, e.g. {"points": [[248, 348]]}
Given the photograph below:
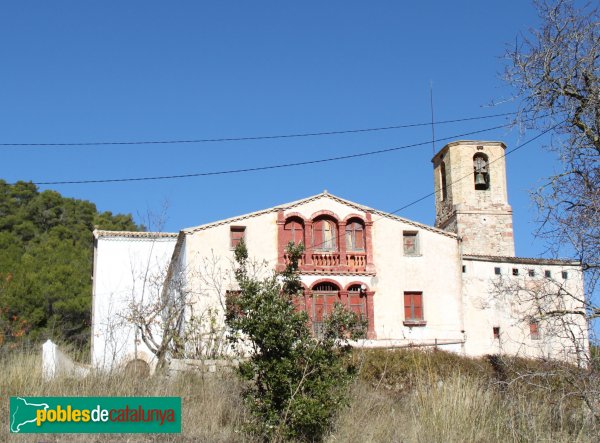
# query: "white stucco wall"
{"points": [[435, 271], [124, 264], [460, 309], [484, 309]]}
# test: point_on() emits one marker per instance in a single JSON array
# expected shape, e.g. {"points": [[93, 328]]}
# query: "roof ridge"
{"points": [[141, 234], [326, 194], [522, 259]]}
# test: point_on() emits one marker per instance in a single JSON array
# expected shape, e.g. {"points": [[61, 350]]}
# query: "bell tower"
{"points": [[471, 198]]}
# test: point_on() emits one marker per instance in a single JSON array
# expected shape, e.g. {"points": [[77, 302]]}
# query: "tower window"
{"points": [[443, 180], [481, 172]]}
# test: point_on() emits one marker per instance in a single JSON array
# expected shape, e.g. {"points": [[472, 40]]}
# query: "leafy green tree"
{"points": [[297, 381], [46, 263]]}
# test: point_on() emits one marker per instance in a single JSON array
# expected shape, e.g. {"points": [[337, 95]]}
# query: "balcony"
{"points": [[331, 261], [356, 261], [325, 259]]}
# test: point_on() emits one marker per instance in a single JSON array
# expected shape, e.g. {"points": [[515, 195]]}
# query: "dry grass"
{"points": [[419, 397], [460, 409], [211, 409]]}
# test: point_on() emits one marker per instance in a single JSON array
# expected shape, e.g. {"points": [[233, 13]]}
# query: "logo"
{"points": [[30, 415]]}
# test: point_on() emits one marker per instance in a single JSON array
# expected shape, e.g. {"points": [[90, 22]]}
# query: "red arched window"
{"points": [[357, 301], [324, 296], [324, 235], [355, 236], [293, 231]]}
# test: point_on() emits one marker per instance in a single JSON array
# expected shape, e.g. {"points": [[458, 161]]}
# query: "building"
{"points": [[456, 285]]}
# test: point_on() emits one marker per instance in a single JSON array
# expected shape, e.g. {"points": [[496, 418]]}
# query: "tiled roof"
{"points": [[521, 260]]}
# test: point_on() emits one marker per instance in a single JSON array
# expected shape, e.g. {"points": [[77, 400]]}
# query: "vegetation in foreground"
{"points": [[400, 396], [46, 248], [297, 381]]}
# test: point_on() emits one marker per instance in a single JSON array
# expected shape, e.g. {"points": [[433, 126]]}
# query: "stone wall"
{"points": [[208, 366], [482, 218]]}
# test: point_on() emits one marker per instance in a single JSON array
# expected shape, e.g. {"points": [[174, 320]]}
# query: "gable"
{"points": [[319, 202]]}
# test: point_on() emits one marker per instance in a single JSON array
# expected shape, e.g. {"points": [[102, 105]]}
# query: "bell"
{"points": [[479, 179]]}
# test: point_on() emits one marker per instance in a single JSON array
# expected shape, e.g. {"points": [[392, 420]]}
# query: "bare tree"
{"points": [[553, 310], [179, 311], [555, 73]]}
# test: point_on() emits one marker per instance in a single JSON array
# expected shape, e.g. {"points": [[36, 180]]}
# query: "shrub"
{"points": [[298, 381]]}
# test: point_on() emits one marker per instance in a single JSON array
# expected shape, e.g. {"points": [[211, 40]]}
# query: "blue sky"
{"points": [[77, 71]]}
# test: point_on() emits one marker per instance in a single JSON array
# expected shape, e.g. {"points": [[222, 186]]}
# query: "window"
{"points": [[497, 271], [293, 231], [355, 237], [515, 271], [411, 243], [534, 329], [413, 309], [236, 234], [443, 180], [324, 235], [564, 275], [547, 274], [481, 172], [324, 297], [532, 272], [357, 301], [464, 269], [230, 300], [496, 332]]}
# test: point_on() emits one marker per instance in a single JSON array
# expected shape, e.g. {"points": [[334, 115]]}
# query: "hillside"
{"points": [[399, 396], [46, 248]]}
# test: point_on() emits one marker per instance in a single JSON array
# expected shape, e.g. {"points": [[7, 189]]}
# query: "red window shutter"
{"points": [[359, 236], [418, 303], [299, 304], [318, 234], [319, 308], [413, 306], [236, 234], [297, 233], [407, 306], [288, 232], [534, 330]]}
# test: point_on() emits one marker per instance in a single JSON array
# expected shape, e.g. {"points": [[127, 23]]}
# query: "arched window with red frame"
{"points": [[324, 235], [293, 231], [357, 301], [324, 297], [355, 236]]}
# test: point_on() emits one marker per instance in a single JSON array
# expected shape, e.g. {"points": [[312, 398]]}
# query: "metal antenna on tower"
{"points": [[432, 124]]}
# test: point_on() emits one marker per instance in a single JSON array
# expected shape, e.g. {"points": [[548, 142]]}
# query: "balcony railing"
{"points": [[286, 259], [325, 259], [355, 261]]}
